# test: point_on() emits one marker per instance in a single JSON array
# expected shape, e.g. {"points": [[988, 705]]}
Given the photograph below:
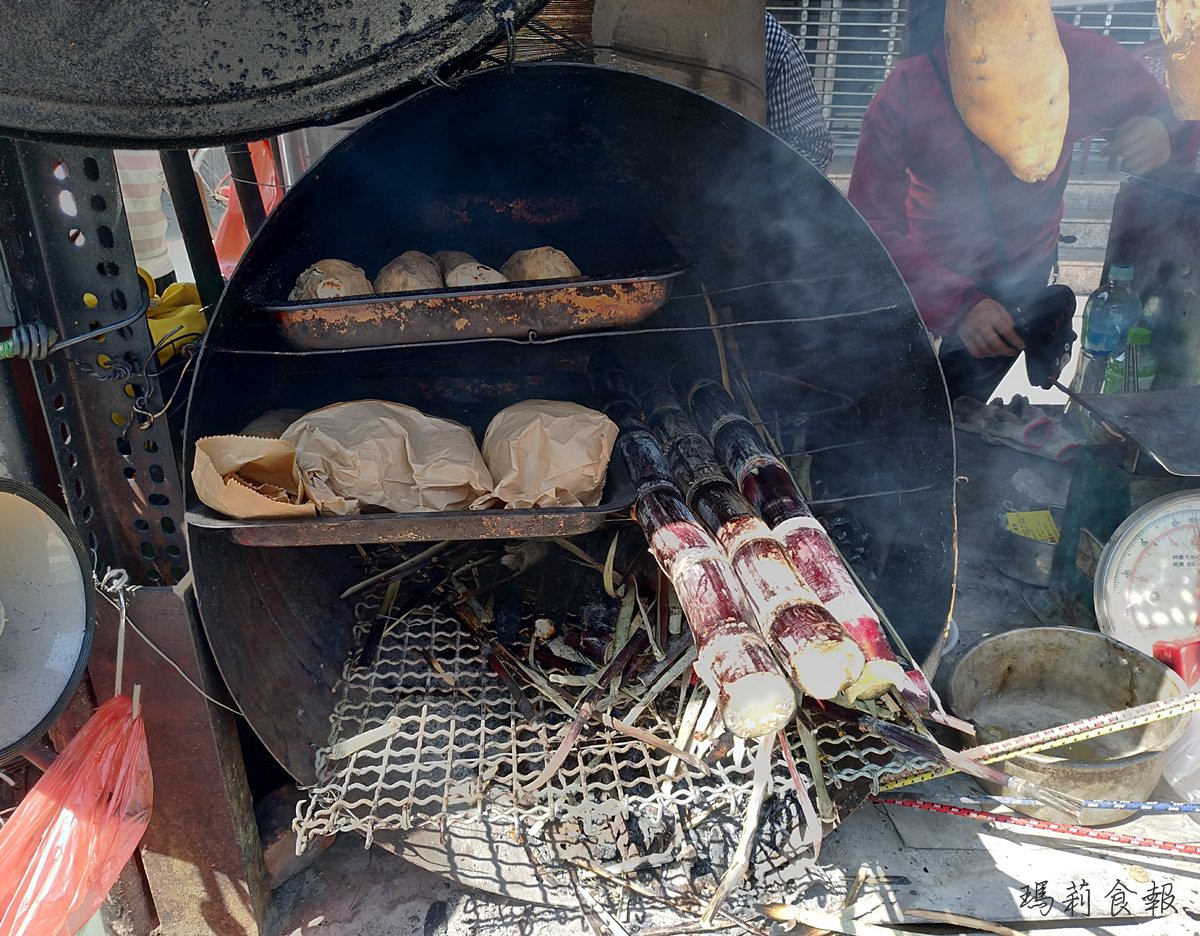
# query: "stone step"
{"points": [[1088, 227], [1079, 267]]}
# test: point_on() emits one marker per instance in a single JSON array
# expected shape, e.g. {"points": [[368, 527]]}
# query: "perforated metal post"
{"points": [[69, 258], [66, 248]]}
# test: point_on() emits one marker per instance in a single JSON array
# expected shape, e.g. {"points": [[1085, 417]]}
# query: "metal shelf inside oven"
{"points": [[429, 526]]}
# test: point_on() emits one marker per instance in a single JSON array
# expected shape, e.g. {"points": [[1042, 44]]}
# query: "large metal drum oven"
{"points": [[588, 159]]}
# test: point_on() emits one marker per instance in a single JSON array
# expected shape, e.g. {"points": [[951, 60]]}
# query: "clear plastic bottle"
{"points": [[1181, 769], [1136, 358], [1111, 311]]}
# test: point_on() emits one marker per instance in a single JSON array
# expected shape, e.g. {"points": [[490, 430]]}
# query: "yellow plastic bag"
{"points": [[178, 308]]}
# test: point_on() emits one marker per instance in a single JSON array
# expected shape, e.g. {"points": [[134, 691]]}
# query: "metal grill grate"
{"points": [[851, 46], [459, 750]]}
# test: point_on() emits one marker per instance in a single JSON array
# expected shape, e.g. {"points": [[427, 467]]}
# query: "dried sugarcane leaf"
{"points": [[579, 554], [562, 752], [651, 629], [812, 755], [408, 565], [813, 831], [741, 856], [958, 920], [610, 585], [665, 679]]}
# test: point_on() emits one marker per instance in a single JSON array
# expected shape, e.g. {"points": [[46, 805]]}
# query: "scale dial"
{"points": [[1148, 579]]}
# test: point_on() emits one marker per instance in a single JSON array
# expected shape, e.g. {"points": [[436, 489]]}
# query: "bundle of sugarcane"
{"points": [[822, 659], [766, 482], [734, 661]]}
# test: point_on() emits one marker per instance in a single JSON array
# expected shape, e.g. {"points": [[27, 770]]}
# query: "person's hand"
{"points": [[987, 330], [1142, 143]]}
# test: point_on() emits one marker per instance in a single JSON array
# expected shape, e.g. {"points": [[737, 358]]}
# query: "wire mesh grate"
{"points": [[457, 747]]}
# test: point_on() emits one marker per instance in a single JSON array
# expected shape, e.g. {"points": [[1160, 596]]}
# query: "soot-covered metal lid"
{"points": [[161, 73]]}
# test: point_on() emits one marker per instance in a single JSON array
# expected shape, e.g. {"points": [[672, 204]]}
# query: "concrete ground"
{"points": [[927, 860]]}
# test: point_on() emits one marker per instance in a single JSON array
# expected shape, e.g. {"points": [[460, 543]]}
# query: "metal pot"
{"points": [[1028, 680], [1027, 560]]}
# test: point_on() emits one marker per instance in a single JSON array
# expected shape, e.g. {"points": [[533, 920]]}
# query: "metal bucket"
{"points": [[1032, 679]]}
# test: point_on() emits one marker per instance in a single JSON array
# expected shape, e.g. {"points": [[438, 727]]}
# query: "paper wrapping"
{"points": [[545, 453], [249, 478], [371, 453]]}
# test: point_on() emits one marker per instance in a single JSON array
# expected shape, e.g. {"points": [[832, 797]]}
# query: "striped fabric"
{"points": [[142, 183], [793, 108]]}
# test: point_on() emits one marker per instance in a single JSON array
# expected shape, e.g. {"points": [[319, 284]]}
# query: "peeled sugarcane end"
{"points": [[758, 704], [822, 670], [916, 690], [878, 677]]}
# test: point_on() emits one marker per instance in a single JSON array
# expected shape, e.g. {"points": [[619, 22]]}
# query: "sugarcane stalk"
{"points": [[733, 659], [768, 485], [821, 659]]}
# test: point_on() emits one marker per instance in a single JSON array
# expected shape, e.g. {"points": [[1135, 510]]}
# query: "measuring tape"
{"points": [[1138, 806], [1175, 848], [1083, 730]]}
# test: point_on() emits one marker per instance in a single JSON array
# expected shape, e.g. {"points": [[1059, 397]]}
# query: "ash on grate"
{"points": [[457, 729]]}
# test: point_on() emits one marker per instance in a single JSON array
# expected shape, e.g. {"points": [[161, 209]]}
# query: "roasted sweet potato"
{"points": [[1180, 24], [1008, 73]]}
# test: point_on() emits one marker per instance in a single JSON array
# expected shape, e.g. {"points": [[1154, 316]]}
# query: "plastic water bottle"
{"points": [[1137, 358], [1111, 311]]}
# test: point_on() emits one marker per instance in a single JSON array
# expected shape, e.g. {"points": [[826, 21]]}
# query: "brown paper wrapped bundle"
{"points": [[548, 453], [372, 453], [249, 478], [1008, 73]]}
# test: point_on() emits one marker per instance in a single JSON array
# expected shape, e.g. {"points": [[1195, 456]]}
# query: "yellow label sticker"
{"points": [[1033, 524]]}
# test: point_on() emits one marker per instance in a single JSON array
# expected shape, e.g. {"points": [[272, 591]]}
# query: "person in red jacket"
{"points": [[972, 240]]}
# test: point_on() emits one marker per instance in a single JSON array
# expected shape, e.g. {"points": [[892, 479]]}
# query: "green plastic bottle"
{"points": [[1140, 358]]}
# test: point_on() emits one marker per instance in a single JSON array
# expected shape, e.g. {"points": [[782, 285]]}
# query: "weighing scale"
{"points": [[1147, 589], [1128, 556]]}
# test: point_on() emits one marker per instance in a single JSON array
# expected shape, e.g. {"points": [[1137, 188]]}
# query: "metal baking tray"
{"points": [[506, 310], [428, 526]]}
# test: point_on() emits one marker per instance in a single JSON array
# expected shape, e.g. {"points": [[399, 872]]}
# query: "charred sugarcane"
{"points": [[821, 658], [733, 659], [768, 485]]}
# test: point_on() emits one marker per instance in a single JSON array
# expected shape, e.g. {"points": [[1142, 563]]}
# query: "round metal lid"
{"points": [[46, 615], [159, 73]]}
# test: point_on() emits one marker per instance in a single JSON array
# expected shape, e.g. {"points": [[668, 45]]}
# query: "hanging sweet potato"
{"points": [[1180, 24], [1008, 73]]}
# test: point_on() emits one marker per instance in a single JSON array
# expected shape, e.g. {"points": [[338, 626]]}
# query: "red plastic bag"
{"points": [[232, 240], [65, 845]]}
